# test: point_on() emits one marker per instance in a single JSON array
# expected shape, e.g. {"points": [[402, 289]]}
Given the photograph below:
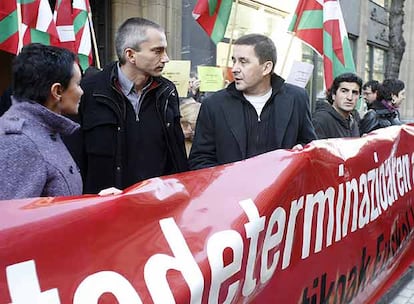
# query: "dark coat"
{"points": [[107, 119], [330, 124], [220, 135], [379, 116]]}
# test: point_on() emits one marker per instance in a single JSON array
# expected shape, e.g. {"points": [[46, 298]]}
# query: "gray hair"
{"points": [[131, 34]]}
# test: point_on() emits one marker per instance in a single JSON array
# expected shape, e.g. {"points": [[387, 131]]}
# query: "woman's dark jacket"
{"points": [[381, 115], [118, 149]]}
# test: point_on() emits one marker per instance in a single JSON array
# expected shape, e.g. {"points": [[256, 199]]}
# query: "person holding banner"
{"points": [[130, 114], [258, 112], [34, 161], [335, 118]]}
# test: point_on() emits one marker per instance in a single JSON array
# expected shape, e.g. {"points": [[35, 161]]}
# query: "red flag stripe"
{"points": [[332, 27], [206, 20], [305, 6]]}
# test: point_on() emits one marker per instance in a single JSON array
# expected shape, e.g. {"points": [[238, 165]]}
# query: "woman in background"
{"points": [[384, 110], [33, 159], [189, 109]]}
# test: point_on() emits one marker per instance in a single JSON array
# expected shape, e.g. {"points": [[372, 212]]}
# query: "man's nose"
{"points": [[165, 57], [235, 68]]}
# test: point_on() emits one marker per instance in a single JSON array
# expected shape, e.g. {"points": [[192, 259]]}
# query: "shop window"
{"points": [[375, 63], [251, 17]]}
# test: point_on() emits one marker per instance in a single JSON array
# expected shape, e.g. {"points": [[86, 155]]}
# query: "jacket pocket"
{"points": [[101, 138]]}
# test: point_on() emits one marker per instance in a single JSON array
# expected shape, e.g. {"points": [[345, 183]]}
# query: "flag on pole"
{"points": [[213, 16], [9, 25], [23, 22], [37, 22], [82, 26], [320, 24], [64, 25]]}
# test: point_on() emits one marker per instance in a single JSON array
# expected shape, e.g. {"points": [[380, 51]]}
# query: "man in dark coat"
{"points": [[130, 114], [255, 114], [335, 118]]}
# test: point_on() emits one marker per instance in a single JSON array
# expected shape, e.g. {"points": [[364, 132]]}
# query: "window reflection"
{"points": [[383, 3], [375, 63]]}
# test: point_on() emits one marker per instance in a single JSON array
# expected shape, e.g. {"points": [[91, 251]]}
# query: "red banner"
{"points": [[331, 223]]}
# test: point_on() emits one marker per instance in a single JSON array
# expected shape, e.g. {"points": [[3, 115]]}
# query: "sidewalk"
{"points": [[402, 292]]}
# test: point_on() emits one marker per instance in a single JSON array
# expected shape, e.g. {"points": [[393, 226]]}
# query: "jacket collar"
{"points": [[234, 114]]}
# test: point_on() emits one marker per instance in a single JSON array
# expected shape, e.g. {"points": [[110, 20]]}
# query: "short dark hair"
{"points": [[373, 84], [389, 87], [346, 77], [131, 34], [264, 47], [38, 67]]}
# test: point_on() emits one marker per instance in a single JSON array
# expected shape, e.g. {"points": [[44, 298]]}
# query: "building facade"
{"points": [[366, 21]]}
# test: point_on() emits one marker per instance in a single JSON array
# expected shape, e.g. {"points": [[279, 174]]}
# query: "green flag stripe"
{"points": [[220, 25], [25, 1], [83, 61], [327, 45], [80, 21], [311, 20], [39, 37], [338, 67], [212, 4], [8, 26], [292, 23]]}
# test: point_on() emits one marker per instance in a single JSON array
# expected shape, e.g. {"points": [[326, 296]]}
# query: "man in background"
{"points": [[334, 118], [369, 92]]}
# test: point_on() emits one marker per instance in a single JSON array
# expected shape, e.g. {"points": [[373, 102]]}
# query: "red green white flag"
{"points": [[64, 24], [37, 22], [82, 27], [9, 25], [23, 22], [213, 16], [320, 24]]}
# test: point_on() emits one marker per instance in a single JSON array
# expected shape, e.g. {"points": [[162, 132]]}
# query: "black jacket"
{"points": [[221, 137], [379, 116], [330, 124], [117, 150]]}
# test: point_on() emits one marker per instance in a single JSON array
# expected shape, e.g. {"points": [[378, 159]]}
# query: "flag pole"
{"points": [[232, 33], [95, 45], [19, 26], [287, 53]]}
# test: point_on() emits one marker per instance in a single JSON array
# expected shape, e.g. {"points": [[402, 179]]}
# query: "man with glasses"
{"points": [[130, 114], [369, 92]]}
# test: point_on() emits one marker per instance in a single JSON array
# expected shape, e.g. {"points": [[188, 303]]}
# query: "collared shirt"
{"points": [[128, 89]]}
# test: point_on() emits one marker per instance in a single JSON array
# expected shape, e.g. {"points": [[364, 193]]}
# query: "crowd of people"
{"points": [[127, 122]]}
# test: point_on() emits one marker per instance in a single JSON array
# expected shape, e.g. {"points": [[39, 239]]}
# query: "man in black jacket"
{"points": [[335, 118], [256, 113], [130, 114]]}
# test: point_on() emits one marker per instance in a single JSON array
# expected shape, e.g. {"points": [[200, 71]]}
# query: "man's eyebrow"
{"points": [[160, 48]]}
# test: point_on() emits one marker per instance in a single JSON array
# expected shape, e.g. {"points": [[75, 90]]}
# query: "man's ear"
{"points": [[56, 91], [129, 55], [268, 67]]}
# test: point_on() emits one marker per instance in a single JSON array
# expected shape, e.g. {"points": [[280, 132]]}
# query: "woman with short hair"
{"points": [[34, 161]]}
